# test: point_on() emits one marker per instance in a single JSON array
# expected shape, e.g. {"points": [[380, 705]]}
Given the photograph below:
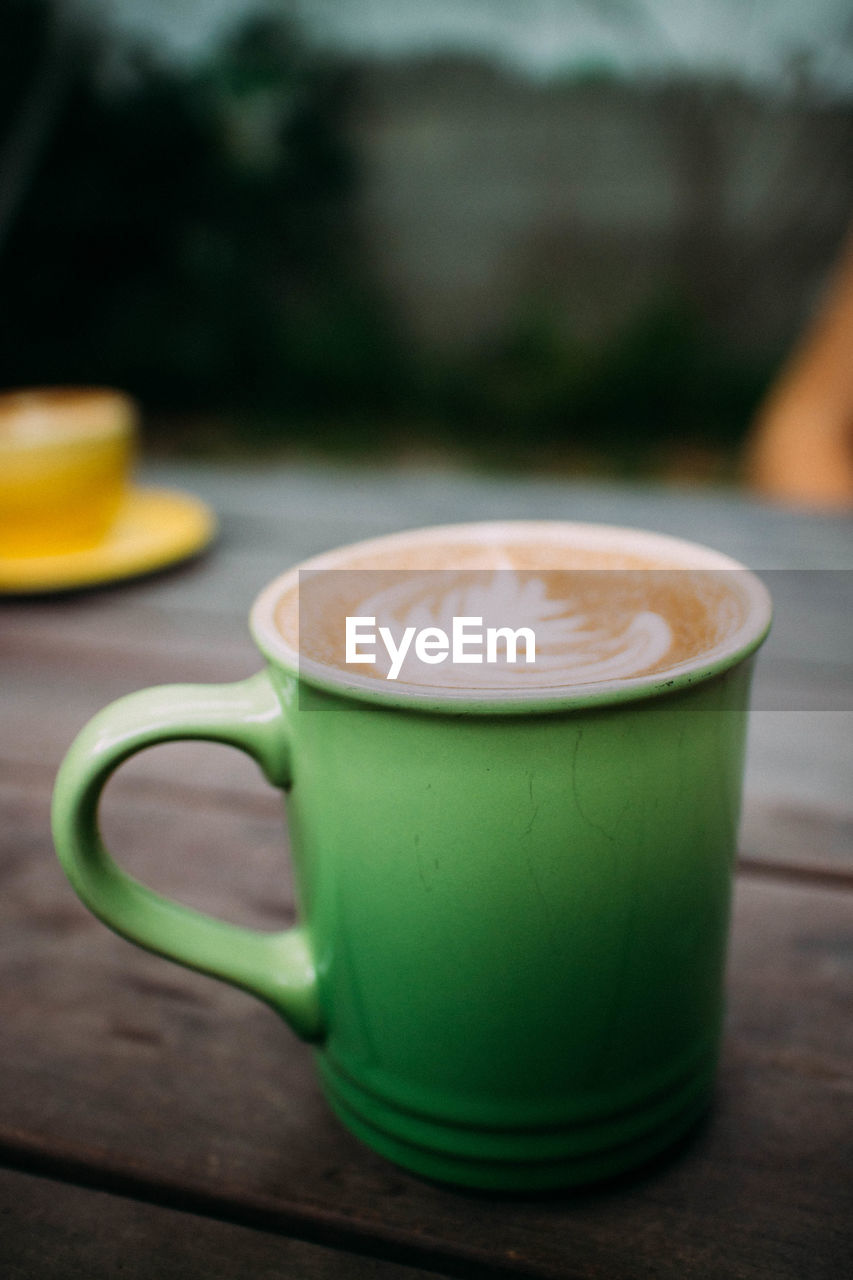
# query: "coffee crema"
{"points": [[604, 605]]}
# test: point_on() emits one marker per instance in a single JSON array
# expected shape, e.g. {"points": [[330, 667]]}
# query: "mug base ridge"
{"points": [[521, 1159]]}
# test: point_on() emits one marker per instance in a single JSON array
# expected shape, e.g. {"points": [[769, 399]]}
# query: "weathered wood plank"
{"points": [[323, 506], [54, 1231], [786, 838], [118, 1065]]}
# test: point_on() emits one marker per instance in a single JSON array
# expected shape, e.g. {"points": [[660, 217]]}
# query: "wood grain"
{"points": [[54, 1231]]}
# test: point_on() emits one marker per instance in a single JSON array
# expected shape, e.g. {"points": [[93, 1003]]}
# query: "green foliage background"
{"points": [[188, 235]]}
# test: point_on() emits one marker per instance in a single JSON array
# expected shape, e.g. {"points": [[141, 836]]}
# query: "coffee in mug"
{"points": [[588, 613], [513, 876]]}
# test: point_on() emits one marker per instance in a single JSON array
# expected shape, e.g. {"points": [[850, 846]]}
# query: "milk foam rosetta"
{"points": [[596, 616], [569, 645]]}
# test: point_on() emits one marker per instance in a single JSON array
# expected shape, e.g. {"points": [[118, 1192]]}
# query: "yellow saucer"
{"points": [[155, 528]]}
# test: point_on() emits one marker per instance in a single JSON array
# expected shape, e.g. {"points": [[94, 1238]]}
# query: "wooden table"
{"points": [[155, 1123]]}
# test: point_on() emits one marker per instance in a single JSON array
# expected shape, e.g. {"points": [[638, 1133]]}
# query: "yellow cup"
{"points": [[65, 458]]}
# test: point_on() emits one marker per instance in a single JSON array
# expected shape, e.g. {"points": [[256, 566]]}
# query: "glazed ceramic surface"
{"points": [[513, 922]]}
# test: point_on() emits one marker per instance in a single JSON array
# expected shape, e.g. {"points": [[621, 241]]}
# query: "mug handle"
{"points": [[277, 967]]}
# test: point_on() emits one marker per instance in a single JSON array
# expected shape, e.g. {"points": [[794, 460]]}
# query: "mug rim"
{"points": [[744, 640]]}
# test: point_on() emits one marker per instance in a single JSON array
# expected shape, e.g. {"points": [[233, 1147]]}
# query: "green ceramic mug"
{"points": [[513, 903]]}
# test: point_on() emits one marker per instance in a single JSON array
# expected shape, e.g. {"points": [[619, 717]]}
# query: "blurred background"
{"points": [[567, 235]]}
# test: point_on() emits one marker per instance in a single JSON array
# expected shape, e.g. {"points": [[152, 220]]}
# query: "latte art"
{"points": [[569, 645], [506, 611]]}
